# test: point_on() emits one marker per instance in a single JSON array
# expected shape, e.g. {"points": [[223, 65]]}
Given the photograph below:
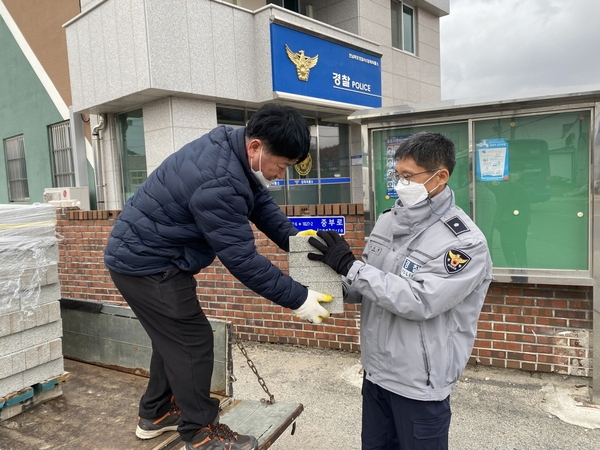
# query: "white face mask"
{"points": [[258, 174], [413, 193]]}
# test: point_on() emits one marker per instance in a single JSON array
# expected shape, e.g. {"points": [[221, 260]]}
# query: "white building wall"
{"points": [[108, 56], [406, 78], [172, 122], [154, 48], [143, 50], [340, 14], [127, 54]]}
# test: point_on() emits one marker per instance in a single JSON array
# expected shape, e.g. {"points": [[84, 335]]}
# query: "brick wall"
{"points": [[536, 327], [523, 326]]}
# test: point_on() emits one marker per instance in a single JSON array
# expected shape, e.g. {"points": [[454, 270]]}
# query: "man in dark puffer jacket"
{"points": [[195, 206]]}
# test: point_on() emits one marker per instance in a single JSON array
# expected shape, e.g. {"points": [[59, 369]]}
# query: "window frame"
{"points": [[23, 182], [61, 176], [398, 27], [125, 167]]}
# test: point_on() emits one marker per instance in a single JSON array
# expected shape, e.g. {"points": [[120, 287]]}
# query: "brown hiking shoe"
{"points": [[220, 437], [148, 429]]}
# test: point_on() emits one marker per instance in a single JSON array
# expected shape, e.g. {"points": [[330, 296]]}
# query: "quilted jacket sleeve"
{"points": [[221, 211], [269, 219]]}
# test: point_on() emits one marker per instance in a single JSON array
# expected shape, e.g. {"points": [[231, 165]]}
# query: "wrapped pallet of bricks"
{"points": [[31, 361]]}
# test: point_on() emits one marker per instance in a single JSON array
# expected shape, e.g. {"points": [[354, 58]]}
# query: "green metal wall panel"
{"points": [[385, 143], [27, 109], [539, 208]]}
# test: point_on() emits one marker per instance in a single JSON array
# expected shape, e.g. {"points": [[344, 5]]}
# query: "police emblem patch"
{"points": [[456, 261], [409, 268]]}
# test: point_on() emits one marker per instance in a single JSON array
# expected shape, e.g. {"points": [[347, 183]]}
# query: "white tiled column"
{"points": [[356, 172], [172, 122], [111, 164], [109, 160]]}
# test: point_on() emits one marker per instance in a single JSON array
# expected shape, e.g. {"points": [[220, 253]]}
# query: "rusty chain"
{"points": [[261, 381]]}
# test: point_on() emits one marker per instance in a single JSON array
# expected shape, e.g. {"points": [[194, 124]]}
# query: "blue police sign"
{"points": [[320, 223], [304, 181], [313, 67]]}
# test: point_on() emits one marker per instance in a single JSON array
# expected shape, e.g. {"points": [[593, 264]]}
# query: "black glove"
{"points": [[336, 251]]}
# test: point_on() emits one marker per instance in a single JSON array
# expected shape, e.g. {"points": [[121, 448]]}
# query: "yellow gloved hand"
{"points": [[307, 233], [311, 309]]}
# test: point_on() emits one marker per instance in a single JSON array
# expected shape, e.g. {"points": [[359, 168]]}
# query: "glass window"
{"points": [[403, 26], [385, 143], [14, 152], [408, 33], [299, 6], [324, 176], [233, 117], [303, 178], [335, 193], [532, 189], [133, 151], [334, 164], [303, 195], [62, 154], [333, 159], [278, 192]]}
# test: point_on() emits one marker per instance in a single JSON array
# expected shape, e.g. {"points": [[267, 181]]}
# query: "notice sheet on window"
{"points": [[492, 160]]}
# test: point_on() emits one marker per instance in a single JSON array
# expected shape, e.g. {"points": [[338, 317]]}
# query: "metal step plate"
{"points": [[262, 420]]}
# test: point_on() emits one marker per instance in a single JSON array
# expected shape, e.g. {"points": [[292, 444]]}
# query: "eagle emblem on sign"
{"points": [[456, 261], [304, 167], [302, 62]]}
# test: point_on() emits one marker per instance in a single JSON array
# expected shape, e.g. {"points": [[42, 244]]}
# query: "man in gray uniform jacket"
{"points": [[425, 272]]}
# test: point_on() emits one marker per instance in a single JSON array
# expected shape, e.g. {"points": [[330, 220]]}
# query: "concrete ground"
{"points": [[493, 409]]}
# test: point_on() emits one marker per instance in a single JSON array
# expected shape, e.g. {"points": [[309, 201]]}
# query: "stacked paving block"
{"points": [[31, 360], [314, 274]]}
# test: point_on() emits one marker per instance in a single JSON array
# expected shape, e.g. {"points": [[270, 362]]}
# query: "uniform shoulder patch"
{"points": [[456, 225], [456, 261]]}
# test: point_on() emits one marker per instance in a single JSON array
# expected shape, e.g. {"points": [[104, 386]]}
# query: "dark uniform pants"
{"points": [[393, 422], [167, 306]]}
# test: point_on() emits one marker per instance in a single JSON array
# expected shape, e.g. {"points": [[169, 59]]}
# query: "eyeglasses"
{"points": [[405, 178]]}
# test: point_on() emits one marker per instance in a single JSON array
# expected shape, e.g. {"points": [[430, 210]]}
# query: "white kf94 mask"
{"points": [[258, 173], [413, 193]]}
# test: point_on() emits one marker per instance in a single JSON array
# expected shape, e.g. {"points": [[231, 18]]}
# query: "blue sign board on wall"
{"points": [[314, 67], [320, 223]]}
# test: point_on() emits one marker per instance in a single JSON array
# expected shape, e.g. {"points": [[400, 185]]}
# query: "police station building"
{"points": [[155, 75]]}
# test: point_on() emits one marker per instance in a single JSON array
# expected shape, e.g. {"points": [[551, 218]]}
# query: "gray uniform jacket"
{"points": [[424, 276]]}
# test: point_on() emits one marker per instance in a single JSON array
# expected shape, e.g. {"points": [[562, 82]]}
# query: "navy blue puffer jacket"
{"points": [[197, 205]]}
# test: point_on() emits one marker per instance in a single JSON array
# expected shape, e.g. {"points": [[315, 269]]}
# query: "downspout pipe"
{"points": [[99, 163]]}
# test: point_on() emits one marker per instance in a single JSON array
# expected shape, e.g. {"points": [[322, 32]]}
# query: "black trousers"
{"points": [[166, 304], [393, 422]]}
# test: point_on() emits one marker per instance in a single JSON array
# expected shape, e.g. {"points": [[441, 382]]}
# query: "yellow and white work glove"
{"points": [[307, 233], [311, 309]]}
